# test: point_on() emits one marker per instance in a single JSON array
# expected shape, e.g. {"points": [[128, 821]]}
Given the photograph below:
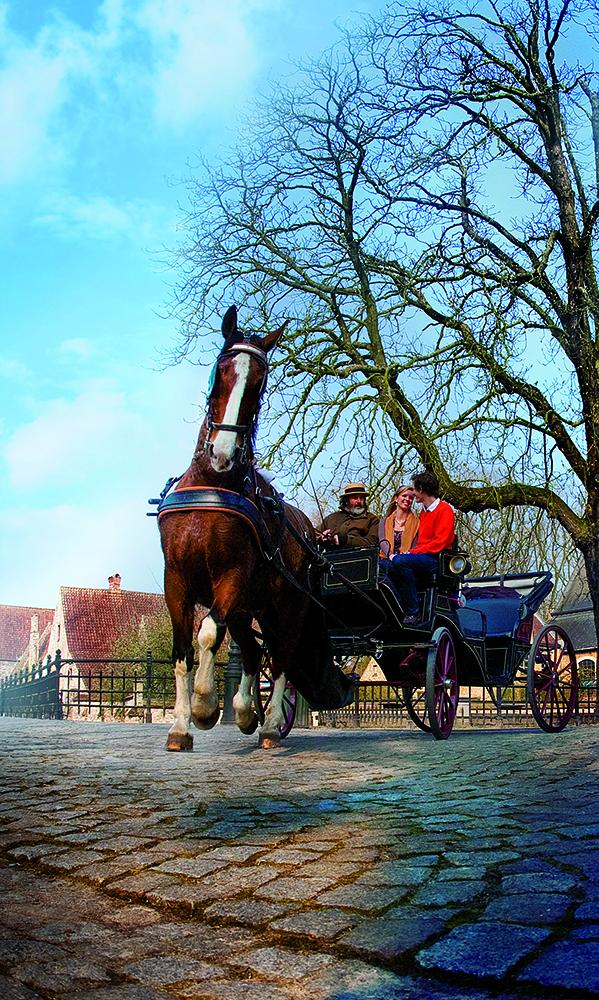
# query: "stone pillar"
{"points": [[232, 674]]}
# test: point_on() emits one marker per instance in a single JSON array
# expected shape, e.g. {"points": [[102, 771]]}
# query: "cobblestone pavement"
{"points": [[373, 865]]}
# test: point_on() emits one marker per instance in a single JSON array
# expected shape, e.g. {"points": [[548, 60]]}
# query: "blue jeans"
{"points": [[407, 570]]}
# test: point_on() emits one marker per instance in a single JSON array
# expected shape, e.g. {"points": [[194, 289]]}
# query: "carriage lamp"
{"points": [[459, 565]]}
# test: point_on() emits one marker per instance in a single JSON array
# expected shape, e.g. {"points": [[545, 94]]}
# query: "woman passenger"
{"points": [[399, 527]]}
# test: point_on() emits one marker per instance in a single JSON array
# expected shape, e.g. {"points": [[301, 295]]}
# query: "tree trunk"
{"points": [[591, 562]]}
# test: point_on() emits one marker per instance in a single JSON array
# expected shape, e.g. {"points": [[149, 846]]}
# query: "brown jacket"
{"points": [[357, 530], [407, 537]]}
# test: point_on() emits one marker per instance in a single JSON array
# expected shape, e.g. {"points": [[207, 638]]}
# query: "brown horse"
{"points": [[232, 546]]}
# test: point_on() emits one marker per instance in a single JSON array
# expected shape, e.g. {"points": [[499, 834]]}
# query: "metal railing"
{"points": [[107, 690], [143, 690], [378, 704]]}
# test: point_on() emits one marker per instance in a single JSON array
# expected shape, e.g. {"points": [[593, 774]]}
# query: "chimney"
{"points": [[34, 641], [114, 583]]}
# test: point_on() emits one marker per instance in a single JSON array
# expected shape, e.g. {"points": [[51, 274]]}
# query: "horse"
{"points": [[234, 547]]}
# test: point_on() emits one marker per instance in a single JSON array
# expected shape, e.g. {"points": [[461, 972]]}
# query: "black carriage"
{"points": [[473, 631]]}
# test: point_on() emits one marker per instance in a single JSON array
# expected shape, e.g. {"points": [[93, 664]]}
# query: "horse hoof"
{"points": [[251, 728], [268, 743], [209, 722], [179, 741]]}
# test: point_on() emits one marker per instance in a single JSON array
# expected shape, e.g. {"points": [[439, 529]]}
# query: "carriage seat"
{"points": [[501, 607]]}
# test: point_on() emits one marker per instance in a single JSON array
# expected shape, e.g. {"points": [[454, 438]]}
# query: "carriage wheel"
{"points": [[552, 679], [442, 689], [263, 692], [414, 699]]}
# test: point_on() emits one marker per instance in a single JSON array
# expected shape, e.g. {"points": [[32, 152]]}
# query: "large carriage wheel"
{"points": [[414, 699], [552, 679], [442, 689], [264, 690]]}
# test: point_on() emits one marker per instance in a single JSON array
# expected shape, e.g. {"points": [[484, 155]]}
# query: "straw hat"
{"points": [[354, 490]]}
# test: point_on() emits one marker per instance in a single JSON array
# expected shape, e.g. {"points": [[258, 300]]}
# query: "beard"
{"points": [[355, 510]]}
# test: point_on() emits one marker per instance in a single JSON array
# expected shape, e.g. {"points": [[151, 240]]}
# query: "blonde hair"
{"points": [[398, 492]]}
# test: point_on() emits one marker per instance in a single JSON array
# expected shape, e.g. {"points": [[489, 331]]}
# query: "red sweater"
{"points": [[436, 531]]}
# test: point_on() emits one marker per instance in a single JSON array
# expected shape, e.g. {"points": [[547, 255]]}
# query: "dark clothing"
{"points": [[357, 530], [407, 571]]}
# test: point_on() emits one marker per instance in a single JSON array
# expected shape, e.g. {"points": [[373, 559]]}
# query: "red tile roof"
{"points": [[15, 628], [94, 619]]}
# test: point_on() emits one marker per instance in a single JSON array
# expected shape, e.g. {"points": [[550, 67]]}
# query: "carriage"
{"points": [[473, 631], [233, 545]]}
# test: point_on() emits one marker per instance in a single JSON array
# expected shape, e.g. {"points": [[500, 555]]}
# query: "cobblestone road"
{"points": [[368, 865]]}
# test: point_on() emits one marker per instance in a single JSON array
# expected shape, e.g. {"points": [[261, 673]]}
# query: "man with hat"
{"points": [[353, 524]]}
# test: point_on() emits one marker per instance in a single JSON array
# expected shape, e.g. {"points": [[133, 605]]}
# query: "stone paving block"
{"points": [[458, 892], [248, 911], [191, 867], [363, 898], [401, 929], [17, 949], [187, 895], [61, 975], [161, 970], [588, 933], [233, 989], [122, 991], [484, 949], [537, 909], [281, 963], [317, 924], [32, 851], [571, 964], [71, 860], [140, 885], [245, 878], [399, 872], [11, 990], [588, 911], [290, 856], [233, 853], [294, 888], [533, 882]]}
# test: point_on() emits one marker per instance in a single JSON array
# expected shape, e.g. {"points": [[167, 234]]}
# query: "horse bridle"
{"points": [[244, 429]]}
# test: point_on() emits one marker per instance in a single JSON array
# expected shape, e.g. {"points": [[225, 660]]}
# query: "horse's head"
{"points": [[239, 380]]}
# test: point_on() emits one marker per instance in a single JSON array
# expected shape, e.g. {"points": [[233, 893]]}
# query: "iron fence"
{"points": [[143, 690], [378, 704], [107, 690]]}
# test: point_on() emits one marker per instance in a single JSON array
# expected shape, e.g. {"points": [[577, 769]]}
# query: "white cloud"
{"points": [[14, 370], [77, 346], [204, 53], [93, 218], [34, 85], [77, 545], [84, 469], [68, 439], [103, 219], [167, 60]]}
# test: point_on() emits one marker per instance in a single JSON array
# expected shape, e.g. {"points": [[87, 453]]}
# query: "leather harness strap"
{"points": [[211, 498]]}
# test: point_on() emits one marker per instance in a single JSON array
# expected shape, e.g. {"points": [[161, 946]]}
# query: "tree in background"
{"points": [[423, 204]]}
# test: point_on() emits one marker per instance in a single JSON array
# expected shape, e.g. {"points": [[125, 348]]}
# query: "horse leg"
{"points": [[274, 717], [205, 710], [243, 701], [179, 737]]}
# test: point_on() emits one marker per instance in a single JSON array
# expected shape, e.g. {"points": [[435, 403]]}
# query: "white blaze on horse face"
{"points": [[223, 447]]}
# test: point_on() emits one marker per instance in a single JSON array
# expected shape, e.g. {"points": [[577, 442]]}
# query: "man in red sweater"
{"points": [[436, 532]]}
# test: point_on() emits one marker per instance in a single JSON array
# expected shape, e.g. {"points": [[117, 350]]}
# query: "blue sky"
{"points": [[102, 106]]}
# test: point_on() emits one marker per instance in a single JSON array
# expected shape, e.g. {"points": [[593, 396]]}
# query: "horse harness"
{"points": [[219, 499], [244, 347]]}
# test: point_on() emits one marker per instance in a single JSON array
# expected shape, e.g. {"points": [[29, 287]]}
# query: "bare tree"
{"points": [[423, 203]]}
